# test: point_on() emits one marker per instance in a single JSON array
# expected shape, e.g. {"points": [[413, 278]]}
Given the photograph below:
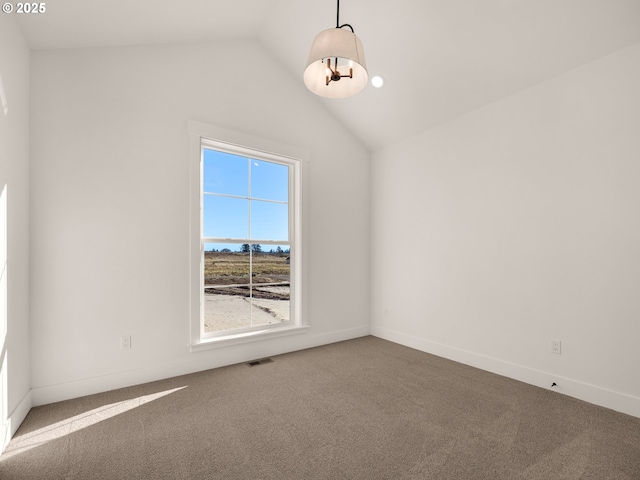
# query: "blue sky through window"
{"points": [[234, 186]]}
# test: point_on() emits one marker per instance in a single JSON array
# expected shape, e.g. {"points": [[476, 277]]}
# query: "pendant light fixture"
{"points": [[336, 66]]}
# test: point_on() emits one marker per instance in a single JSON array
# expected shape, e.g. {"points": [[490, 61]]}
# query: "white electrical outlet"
{"points": [[556, 346], [125, 342]]}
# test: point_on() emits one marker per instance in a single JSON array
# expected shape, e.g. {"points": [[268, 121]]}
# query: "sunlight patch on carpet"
{"points": [[27, 441]]}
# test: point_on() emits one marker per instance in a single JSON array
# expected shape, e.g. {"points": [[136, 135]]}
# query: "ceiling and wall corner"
{"points": [[440, 59]]}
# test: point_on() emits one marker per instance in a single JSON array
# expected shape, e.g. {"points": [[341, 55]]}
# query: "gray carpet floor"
{"points": [[360, 409]]}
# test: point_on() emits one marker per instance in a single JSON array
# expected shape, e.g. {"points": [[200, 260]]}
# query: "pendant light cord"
{"points": [[338, 20]]}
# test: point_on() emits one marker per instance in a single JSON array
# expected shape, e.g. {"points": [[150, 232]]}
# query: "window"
{"points": [[249, 247]]}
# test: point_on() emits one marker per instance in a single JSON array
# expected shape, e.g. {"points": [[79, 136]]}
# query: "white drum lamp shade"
{"points": [[323, 77]]}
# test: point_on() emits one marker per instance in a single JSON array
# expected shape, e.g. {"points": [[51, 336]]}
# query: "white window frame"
{"points": [[215, 138]]}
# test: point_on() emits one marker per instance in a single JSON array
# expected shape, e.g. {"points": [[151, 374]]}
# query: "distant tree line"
{"points": [[255, 248]]}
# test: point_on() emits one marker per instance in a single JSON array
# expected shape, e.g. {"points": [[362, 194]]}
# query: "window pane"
{"points": [[225, 173], [269, 221], [269, 181], [225, 217], [271, 287], [227, 294], [246, 281]]}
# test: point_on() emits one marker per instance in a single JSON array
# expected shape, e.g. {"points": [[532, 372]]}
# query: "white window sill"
{"points": [[246, 337]]}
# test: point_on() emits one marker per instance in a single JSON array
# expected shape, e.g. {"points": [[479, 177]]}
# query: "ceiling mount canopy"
{"points": [[336, 66]]}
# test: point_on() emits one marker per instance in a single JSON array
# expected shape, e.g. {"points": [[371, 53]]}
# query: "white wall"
{"points": [[518, 223], [110, 208], [14, 228]]}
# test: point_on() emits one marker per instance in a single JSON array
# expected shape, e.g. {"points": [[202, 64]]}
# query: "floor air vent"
{"points": [[255, 363]]}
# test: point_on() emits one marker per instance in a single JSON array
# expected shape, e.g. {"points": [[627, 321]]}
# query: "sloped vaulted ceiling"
{"points": [[440, 58]]}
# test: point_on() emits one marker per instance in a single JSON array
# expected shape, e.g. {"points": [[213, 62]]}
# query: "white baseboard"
{"points": [[16, 417], [196, 362], [617, 401]]}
